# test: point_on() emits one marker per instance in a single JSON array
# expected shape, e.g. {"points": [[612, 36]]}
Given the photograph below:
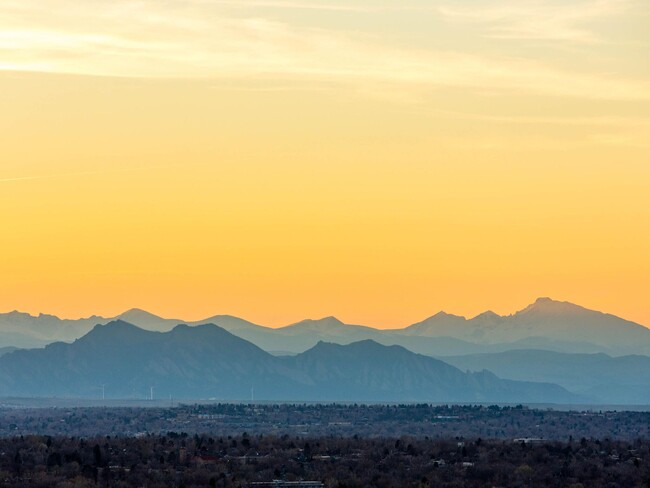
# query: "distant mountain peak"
{"points": [[550, 306], [441, 323], [148, 321], [184, 327], [117, 330], [231, 323], [329, 321], [369, 346], [204, 333], [137, 312], [442, 314], [549, 302], [489, 314], [226, 316], [17, 314], [47, 316], [117, 324]]}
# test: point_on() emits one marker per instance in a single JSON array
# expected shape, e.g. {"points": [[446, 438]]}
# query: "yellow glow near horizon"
{"points": [[281, 160]]}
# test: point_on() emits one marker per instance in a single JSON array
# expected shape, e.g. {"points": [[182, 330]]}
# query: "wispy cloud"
{"points": [[82, 173], [594, 121], [340, 7], [197, 39], [537, 20], [602, 130]]}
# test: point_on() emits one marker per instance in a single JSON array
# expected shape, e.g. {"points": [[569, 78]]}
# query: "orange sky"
{"points": [[279, 160]]}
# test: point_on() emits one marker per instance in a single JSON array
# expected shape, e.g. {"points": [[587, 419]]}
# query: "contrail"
{"points": [[83, 173]]}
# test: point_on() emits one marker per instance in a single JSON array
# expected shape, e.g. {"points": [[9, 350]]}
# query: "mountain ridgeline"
{"points": [[206, 361], [598, 357], [546, 324]]}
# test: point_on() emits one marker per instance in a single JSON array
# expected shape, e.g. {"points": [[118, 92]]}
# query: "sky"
{"points": [[277, 160]]}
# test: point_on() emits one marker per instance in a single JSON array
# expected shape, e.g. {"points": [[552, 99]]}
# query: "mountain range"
{"points": [[545, 325], [623, 380], [596, 356], [206, 361]]}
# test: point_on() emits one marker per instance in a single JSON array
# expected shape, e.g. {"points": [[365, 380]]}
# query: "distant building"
{"points": [[205, 459], [529, 440], [182, 454]]}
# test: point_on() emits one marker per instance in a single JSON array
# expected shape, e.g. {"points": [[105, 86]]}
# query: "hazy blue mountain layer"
{"points": [[206, 361], [546, 325], [614, 380]]}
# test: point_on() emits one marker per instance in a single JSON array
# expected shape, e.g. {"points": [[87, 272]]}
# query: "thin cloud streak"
{"points": [[83, 173], [612, 131], [180, 40], [538, 20], [373, 7], [290, 6], [598, 121]]}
